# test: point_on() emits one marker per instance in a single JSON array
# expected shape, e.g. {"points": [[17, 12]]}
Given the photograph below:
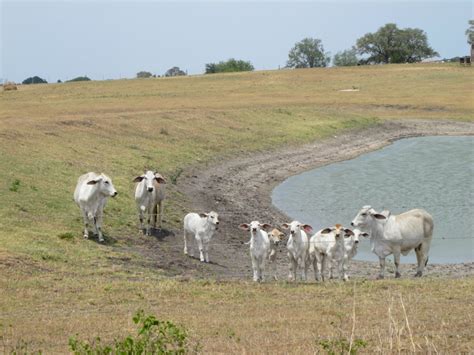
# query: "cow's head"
{"points": [[151, 179], [357, 233], [367, 216], [339, 231], [211, 217], [296, 227], [104, 185], [254, 226], [276, 236]]}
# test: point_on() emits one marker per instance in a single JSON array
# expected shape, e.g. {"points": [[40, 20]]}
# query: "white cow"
{"points": [[202, 227], [259, 247], [351, 242], [276, 238], [298, 248], [149, 196], [327, 247], [91, 194], [395, 234]]}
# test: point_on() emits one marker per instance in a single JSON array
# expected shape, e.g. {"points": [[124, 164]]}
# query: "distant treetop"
{"points": [[144, 74], [308, 53], [175, 71], [80, 78], [34, 80], [231, 65]]}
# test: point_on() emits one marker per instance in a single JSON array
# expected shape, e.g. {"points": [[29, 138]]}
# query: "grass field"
{"points": [[54, 284]]}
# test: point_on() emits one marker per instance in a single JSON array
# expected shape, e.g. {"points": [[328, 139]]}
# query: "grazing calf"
{"points": [[276, 238], [259, 247], [149, 196], [351, 242], [91, 194], [298, 248], [327, 246], [395, 234], [202, 226]]}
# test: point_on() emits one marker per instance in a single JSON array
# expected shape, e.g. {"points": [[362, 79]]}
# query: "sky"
{"points": [[108, 39]]}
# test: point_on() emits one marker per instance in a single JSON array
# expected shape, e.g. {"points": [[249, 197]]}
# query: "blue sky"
{"points": [[111, 39]]}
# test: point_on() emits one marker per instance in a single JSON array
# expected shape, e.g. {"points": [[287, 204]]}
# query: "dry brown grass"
{"points": [[53, 287], [8, 86]]}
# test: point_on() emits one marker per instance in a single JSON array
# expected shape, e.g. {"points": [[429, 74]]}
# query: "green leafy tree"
{"points": [[143, 75], [346, 58], [308, 53], [34, 80], [393, 45], [231, 65], [175, 71], [80, 78], [470, 32]]}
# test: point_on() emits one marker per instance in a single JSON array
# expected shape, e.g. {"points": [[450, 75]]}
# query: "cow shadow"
{"points": [[161, 233], [108, 240], [209, 263]]}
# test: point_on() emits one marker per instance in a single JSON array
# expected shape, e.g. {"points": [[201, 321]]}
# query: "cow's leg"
{"points": [[149, 218], [345, 265], [255, 268], [382, 267], [305, 267], [396, 260], [206, 251], [141, 217], [331, 267], [98, 223], [317, 267], [161, 207], [262, 268], [422, 258], [86, 223], [292, 266], [201, 249], [323, 266], [185, 242], [154, 216]]}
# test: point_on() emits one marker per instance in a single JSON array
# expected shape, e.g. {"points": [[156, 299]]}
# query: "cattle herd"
{"points": [[331, 247]]}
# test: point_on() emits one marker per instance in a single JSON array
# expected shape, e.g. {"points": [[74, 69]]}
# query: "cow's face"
{"points": [[212, 217], [254, 226], [104, 185], [276, 236], [367, 216], [151, 179], [358, 234], [296, 227]]}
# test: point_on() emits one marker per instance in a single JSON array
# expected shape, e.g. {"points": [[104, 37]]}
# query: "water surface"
{"points": [[434, 173]]}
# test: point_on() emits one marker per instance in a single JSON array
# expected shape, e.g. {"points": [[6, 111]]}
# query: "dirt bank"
{"points": [[240, 190]]}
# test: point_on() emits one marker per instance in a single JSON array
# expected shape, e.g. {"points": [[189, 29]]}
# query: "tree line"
{"points": [[389, 44]]}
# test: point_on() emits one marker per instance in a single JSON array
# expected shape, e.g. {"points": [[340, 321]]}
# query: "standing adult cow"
{"points": [[395, 234], [91, 194], [149, 196]]}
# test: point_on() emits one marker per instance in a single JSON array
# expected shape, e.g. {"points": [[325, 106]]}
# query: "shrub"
{"points": [[175, 71], [80, 78], [9, 86], [34, 80], [143, 74], [231, 65], [153, 337]]}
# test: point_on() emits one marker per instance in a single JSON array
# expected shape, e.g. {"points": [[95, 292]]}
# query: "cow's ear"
{"points": [[285, 226], [307, 228], [265, 226], [326, 231], [203, 215], [160, 180], [138, 179], [92, 182], [348, 233], [379, 216], [244, 226], [365, 235]]}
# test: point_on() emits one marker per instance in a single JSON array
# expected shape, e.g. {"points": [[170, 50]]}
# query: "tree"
{"points": [[308, 53], [470, 32], [175, 71], [346, 58], [231, 65], [143, 74], [34, 80], [393, 45], [79, 78]]}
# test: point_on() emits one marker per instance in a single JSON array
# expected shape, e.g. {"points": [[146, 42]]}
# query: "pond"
{"points": [[433, 173]]}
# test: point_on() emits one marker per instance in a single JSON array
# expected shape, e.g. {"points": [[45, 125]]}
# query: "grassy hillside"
{"points": [[50, 134]]}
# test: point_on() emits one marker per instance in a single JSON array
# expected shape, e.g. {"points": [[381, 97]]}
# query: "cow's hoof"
{"points": [[101, 240], [418, 274], [86, 236], [397, 275]]}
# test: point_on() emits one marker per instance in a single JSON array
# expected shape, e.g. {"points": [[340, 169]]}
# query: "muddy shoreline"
{"points": [[239, 189]]}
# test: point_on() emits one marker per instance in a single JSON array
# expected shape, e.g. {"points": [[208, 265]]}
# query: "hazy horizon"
{"points": [[110, 40]]}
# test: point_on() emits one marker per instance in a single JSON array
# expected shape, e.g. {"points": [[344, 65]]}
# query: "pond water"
{"points": [[433, 173]]}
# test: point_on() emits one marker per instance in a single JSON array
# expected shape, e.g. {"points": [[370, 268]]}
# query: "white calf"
{"points": [[327, 246], [351, 242], [149, 196], [91, 194], [395, 234], [259, 247], [298, 248], [203, 227]]}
